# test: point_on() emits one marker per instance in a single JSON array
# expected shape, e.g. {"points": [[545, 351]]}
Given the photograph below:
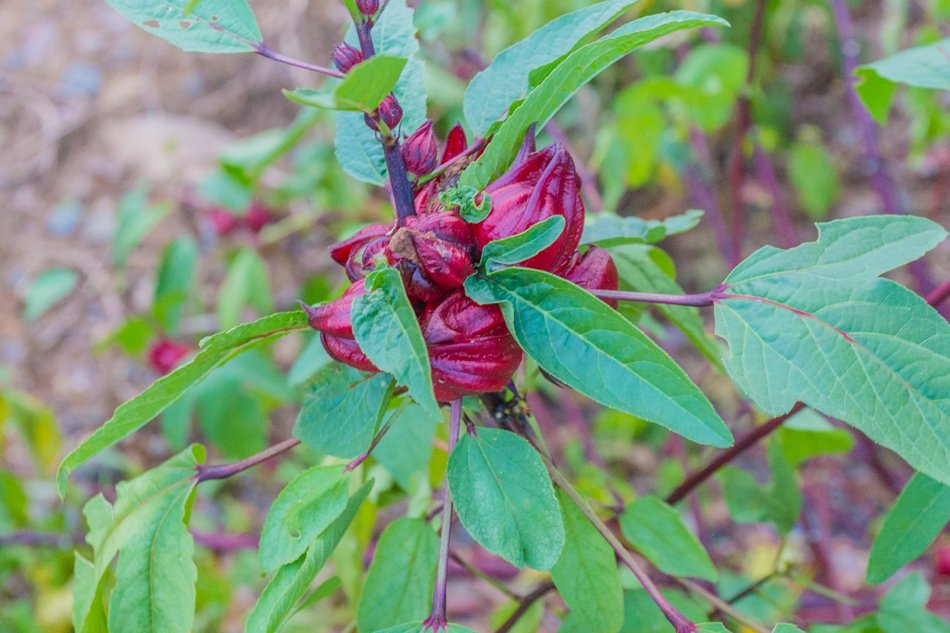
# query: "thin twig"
{"points": [[263, 51], [524, 605], [939, 294], [223, 471], [478, 573], [699, 300], [722, 605], [376, 440]]}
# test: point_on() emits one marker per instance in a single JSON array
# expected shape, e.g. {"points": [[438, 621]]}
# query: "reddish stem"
{"points": [[939, 294], [223, 471], [781, 218], [698, 300]]}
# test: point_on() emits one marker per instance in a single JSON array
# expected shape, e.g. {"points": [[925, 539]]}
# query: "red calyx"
{"points": [[164, 355], [368, 7], [345, 57], [419, 150], [390, 113], [593, 270]]}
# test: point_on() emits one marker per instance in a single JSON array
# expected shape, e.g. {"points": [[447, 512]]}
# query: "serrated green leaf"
{"points": [[493, 89], [577, 69], [504, 498], [400, 580], [750, 502], [904, 608], [918, 516], [585, 344], [923, 66], [210, 26], [388, 332], [230, 415], [289, 584], [89, 613], [342, 409], [306, 507], [815, 324], [215, 350], [586, 573], [48, 289], [609, 229], [658, 532], [363, 88], [525, 245]]}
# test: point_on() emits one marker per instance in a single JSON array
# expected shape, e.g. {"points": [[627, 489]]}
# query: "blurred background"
{"points": [[150, 197]]}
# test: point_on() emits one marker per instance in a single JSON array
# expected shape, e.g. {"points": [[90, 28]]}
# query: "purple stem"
{"points": [[784, 228], [880, 178], [264, 51], [438, 619], [223, 471], [376, 440], [703, 195], [698, 300]]}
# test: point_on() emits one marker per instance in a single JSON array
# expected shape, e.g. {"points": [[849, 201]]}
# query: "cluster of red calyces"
{"points": [[470, 348]]}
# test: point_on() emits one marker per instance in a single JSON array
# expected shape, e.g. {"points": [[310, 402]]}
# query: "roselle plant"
{"points": [[491, 277]]}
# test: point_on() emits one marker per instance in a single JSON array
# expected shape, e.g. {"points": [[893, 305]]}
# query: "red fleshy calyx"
{"points": [[164, 355], [419, 150], [593, 270]]}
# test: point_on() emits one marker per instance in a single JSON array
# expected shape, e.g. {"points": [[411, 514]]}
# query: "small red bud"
{"points": [[390, 112], [419, 150], [368, 7], [942, 563], [258, 216], [345, 57], [164, 355], [223, 221]]}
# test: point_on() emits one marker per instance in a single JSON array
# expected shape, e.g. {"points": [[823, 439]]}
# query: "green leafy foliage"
{"points": [[493, 90], [903, 608], [388, 332], [421, 628], [412, 428], [525, 245], [174, 279], [786, 628], [815, 324], [362, 89], [306, 507], [577, 69], [138, 411], [814, 176], [342, 410], [246, 284], [472, 205], [716, 73], [808, 434], [749, 502], [48, 289], [658, 532], [586, 574], [136, 219], [399, 582], [289, 584], [923, 66], [920, 513], [209, 26], [583, 343], [504, 498], [608, 229]]}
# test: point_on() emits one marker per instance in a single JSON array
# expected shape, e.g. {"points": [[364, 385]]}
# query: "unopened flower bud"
{"points": [[593, 270], [368, 7], [390, 112], [419, 150], [345, 57], [258, 216], [434, 252], [164, 355]]}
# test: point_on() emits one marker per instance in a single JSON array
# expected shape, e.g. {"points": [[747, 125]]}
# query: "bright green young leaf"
{"points": [[249, 157], [357, 149], [506, 79], [362, 89], [645, 268], [588, 346], [919, 515], [814, 176], [586, 574], [400, 580], [608, 229], [923, 67], [230, 414], [342, 409], [786, 628], [246, 284], [306, 507], [174, 279], [388, 332], [749, 502], [529, 622], [136, 219], [291, 582], [815, 324], [469, 203], [717, 72], [808, 434], [525, 245], [89, 613], [215, 350], [48, 289], [904, 608], [658, 532], [641, 615], [211, 26], [504, 498], [577, 69]]}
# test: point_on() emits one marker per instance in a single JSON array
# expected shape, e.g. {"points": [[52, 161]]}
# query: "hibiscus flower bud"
{"points": [[368, 7], [164, 355], [345, 57], [333, 322], [258, 216], [358, 253], [222, 221], [390, 113], [540, 185], [434, 253], [470, 348], [593, 270], [419, 150]]}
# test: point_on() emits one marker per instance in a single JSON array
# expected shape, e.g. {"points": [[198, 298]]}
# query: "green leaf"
{"points": [[609, 229], [583, 343], [648, 269], [586, 574], [342, 409], [504, 498], [249, 157], [136, 219], [903, 608], [641, 615], [412, 428], [290, 583], [923, 66], [808, 434], [658, 532], [48, 289], [419, 627], [577, 69], [362, 89], [717, 73], [492, 90], [311, 359], [920, 513], [517, 248], [306, 507], [174, 279], [786, 628], [812, 172], [89, 614], [246, 284], [749, 502], [209, 26], [463, 201], [712, 627], [815, 324], [230, 414], [388, 332], [400, 580], [215, 350], [357, 149]]}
